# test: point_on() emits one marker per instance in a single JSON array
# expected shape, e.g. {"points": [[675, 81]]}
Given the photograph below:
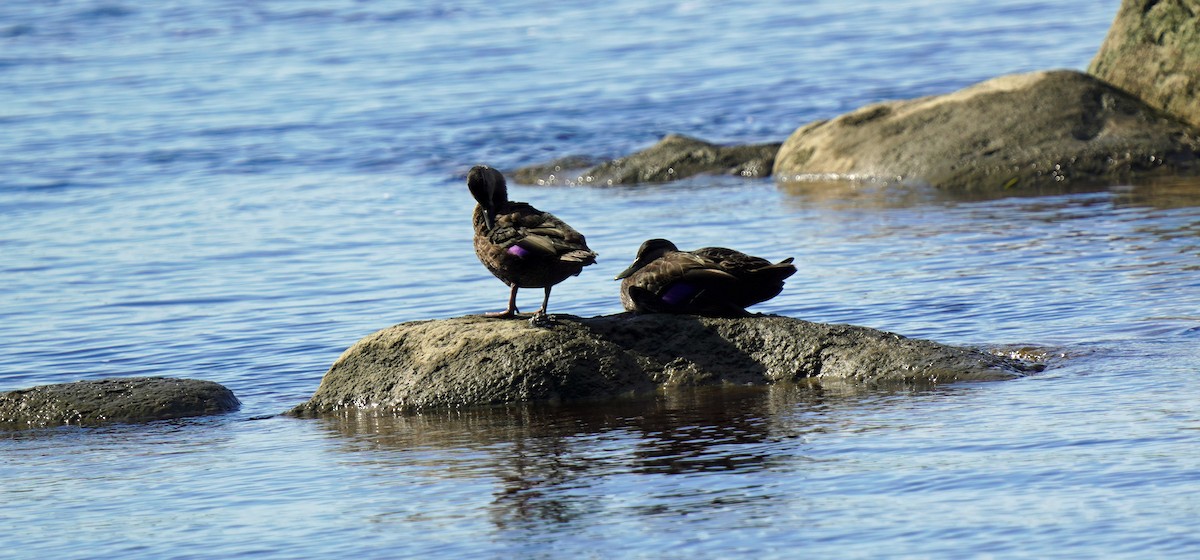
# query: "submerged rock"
{"points": [[471, 361], [1053, 128], [126, 399], [672, 158], [1153, 51]]}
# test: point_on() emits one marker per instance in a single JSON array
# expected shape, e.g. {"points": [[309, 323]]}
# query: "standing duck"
{"points": [[712, 281], [521, 245]]}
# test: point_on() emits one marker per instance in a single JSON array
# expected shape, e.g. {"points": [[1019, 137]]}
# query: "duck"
{"points": [[522, 246], [712, 281]]}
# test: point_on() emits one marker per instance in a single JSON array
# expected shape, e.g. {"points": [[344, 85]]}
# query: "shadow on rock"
{"points": [[685, 351]]}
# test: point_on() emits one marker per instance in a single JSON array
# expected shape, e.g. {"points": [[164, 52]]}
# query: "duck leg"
{"points": [[512, 306], [540, 318], [545, 303]]}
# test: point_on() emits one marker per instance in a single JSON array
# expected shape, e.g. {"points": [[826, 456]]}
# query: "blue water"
{"points": [[238, 191]]}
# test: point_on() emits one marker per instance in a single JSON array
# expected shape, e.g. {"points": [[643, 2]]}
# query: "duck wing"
{"points": [[746, 266], [731, 260], [758, 279], [539, 234], [681, 282]]}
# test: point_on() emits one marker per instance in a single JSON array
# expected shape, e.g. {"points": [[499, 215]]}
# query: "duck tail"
{"points": [[580, 256], [778, 272]]}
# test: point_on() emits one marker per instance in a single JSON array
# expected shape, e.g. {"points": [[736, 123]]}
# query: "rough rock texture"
{"points": [[474, 360], [674, 157], [1053, 128], [126, 399], [1153, 51]]}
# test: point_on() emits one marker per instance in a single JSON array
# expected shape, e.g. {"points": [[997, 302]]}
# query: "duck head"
{"points": [[489, 189], [650, 251]]}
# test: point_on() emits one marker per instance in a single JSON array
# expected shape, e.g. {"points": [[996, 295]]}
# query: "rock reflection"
{"points": [[847, 194], [551, 464], [1181, 192], [843, 194]]}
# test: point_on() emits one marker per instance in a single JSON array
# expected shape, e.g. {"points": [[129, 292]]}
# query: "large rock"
{"points": [[127, 399], [672, 158], [1153, 51], [473, 360], [1028, 131]]}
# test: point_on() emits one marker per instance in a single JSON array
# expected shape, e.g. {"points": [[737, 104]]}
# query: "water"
{"points": [[238, 191]]}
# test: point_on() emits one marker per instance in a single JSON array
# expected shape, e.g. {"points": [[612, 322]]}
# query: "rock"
{"points": [[1153, 51], [554, 172], [1028, 131], [672, 158], [471, 361], [125, 399]]}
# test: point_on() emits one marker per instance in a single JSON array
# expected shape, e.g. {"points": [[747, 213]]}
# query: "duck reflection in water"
{"points": [[553, 464]]}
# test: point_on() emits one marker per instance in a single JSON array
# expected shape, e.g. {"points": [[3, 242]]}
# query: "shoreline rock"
{"points": [[1027, 131], [114, 400], [476, 361]]}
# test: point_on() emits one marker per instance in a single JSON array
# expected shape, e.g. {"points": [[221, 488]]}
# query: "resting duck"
{"points": [[712, 281], [521, 245]]}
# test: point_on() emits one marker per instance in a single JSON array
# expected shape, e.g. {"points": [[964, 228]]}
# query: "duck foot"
{"points": [[542, 320], [509, 312]]}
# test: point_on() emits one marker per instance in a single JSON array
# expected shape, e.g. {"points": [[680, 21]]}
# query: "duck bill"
{"points": [[489, 218], [632, 268]]}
